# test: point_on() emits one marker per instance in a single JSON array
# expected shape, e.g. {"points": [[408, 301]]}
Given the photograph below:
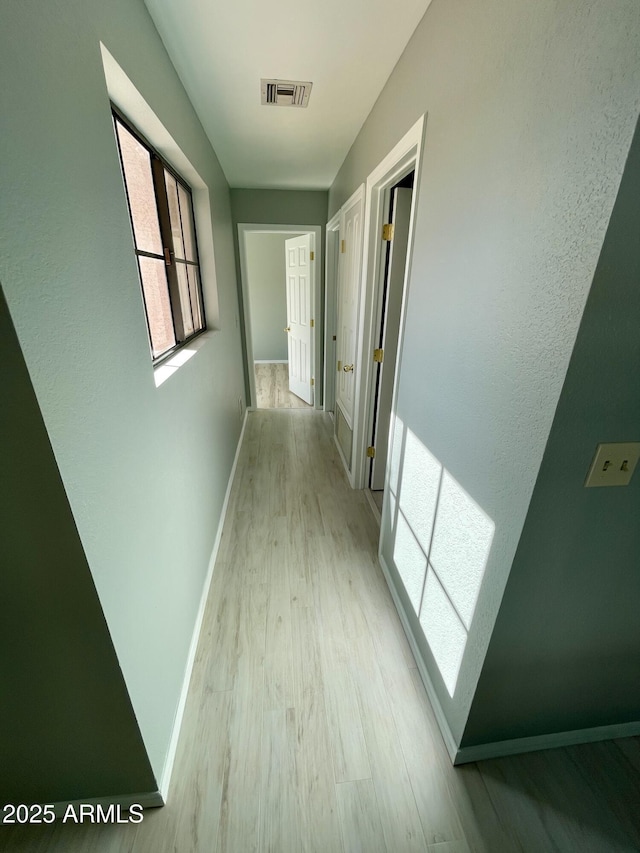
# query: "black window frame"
{"points": [[158, 167]]}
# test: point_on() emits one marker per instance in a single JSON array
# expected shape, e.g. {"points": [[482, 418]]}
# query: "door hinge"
{"points": [[312, 323], [312, 256], [339, 366], [313, 382], [378, 355], [371, 452], [343, 247], [167, 258], [333, 338], [387, 231]]}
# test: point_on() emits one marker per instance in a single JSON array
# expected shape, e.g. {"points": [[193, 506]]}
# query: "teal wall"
{"points": [[145, 469], [280, 207], [564, 652], [67, 728]]}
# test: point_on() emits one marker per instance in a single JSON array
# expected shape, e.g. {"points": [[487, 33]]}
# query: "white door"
{"points": [[393, 290], [332, 243], [298, 270], [350, 263]]}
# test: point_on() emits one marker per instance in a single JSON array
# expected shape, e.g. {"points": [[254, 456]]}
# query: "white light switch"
{"points": [[613, 464]]}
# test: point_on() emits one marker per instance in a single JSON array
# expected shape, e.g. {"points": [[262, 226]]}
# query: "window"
{"points": [[161, 210]]}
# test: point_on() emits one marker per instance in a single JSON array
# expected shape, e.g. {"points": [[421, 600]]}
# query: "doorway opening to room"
{"points": [[280, 273], [397, 203], [374, 230]]}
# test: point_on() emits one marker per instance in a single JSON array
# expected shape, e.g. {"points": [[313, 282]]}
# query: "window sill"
{"points": [[163, 371]]}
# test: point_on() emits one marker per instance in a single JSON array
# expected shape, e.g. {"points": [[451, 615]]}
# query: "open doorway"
{"points": [[397, 203], [281, 314], [385, 186]]}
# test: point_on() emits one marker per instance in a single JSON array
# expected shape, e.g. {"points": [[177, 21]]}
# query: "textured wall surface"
{"points": [[267, 295], [145, 469], [564, 653], [530, 109]]}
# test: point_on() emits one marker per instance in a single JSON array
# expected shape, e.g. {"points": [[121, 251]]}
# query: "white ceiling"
{"points": [[346, 48]]}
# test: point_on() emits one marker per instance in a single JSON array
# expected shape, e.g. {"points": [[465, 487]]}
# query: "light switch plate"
{"points": [[613, 464]]}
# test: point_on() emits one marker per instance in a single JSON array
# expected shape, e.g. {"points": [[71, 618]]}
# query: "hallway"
{"points": [[307, 727]]}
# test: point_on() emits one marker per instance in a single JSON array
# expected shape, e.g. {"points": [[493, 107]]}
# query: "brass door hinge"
{"points": [[378, 355], [387, 231], [339, 366], [343, 247], [312, 323], [313, 382], [312, 256], [371, 452]]}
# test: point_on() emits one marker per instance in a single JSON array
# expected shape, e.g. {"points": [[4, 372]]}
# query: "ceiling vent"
{"points": [[285, 93]]}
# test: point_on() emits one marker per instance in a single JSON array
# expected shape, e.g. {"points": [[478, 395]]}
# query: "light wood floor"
{"points": [[272, 387], [307, 727]]}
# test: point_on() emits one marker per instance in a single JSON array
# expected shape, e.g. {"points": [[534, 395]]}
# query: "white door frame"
{"points": [[245, 228], [404, 157], [332, 249], [387, 330]]}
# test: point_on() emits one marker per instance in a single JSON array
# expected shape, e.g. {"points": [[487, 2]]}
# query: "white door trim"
{"points": [[404, 157], [245, 228], [331, 243], [387, 330]]}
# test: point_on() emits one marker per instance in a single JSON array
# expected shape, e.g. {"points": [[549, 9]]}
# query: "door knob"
{"points": [[348, 368], [288, 329]]}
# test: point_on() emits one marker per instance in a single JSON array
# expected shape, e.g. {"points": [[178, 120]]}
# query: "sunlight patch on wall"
{"points": [[461, 544], [421, 473], [445, 633], [410, 561], [441, 543]]}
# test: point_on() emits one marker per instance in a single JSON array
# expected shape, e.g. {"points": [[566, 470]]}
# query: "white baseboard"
{"points": [[374, 506], [148, 800], [497, 749], [343, 459], [445, 731], [177, 723]]}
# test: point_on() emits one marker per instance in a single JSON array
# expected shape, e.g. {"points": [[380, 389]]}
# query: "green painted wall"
{"points": [[145, 469], [280, 207], [564, 652], [67, 727]]}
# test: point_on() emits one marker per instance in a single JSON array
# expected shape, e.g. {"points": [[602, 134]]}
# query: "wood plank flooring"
{"points": [[272, 387], [307, 727]]}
